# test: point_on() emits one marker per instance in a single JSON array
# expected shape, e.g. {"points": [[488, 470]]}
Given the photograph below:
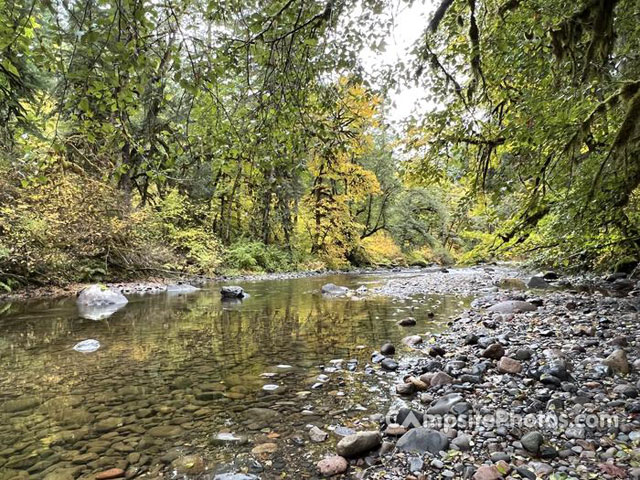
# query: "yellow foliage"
{"points": [[381, 249]]}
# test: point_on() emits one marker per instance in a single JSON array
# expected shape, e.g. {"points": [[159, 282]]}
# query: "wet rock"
{"points": [[265, 449], [87, 346], [395, 430], [232, 291], [189, 465], [512, 306], [407, 322], [358, 444], [532, 442], [388, 349], [100, 296], [494, 351], [111, 473], [389, 364], [462, 442], [509, 365], [523, 354], [333, 290], [317, 435], [334, 465], [618, 361], [108, 424], [235, 476], [423, 440], [26, 402]]}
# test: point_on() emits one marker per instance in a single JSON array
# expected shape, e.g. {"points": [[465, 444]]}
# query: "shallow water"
{"points": [[180, 375]]}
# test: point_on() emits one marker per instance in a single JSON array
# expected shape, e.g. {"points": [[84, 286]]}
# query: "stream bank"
{"points": [[528, 383]]}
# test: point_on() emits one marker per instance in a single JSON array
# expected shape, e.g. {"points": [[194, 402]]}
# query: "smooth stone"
{"points": [[494, 351], [334, 465], [509, 365], [512, 306], [532, 441], [99, 296], [334, 290], [487, 472], [317, 435], [387, 349], [165, 431], [111, 473], [232, 291], [442, 405], [389, 364], [358, 444], [422, 440]]}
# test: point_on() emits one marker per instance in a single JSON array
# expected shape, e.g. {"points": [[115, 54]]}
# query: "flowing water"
{"points": [[187, 386]]}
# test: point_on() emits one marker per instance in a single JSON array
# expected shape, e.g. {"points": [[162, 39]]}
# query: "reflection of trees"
{"points": [[173, 334]]}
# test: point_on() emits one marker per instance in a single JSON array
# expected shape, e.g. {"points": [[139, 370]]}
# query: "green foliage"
{"points": [[248, 256]]}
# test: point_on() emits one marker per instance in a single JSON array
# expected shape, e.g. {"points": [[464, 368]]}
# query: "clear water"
{"points": [[181, 375]]}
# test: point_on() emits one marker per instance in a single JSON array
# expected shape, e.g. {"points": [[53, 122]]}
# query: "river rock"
{"points": [[334, 290], [99, 296], [407, 322], [358, 444], [495, 351], [618, 361], [387, 349], [165, 431], [189, 465], [442, 405], [389, 364], [441, 378], [181, 288], [532, 442], [317, 435], [232, 291], [512, 306], [487, 472], [509, 365], [422, 440], [333, 465], [111, 473], [26, 402]]}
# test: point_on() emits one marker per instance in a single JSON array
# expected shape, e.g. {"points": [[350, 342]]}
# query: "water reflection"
{"points": [[178, 371]]}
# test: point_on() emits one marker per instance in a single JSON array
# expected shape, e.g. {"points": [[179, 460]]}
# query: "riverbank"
{"points": [[528, 383]]}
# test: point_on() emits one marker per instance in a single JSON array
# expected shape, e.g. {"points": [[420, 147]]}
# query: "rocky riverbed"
{"points": [[529, 383], [291, 382]]}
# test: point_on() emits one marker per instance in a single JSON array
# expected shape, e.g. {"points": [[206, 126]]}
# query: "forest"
{"points": [[204, 137]]}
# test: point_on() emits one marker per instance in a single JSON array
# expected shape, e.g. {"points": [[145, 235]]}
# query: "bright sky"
{"points": [[409, 25]]}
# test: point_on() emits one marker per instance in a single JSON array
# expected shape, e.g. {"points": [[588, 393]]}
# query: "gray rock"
{"points": [[512, 306], [358, 444], [532, 441], [334, 290], [387, 349], [100, 296], [442, 405], [232, 291], [423, 440], [495, 351], [389, 364]]}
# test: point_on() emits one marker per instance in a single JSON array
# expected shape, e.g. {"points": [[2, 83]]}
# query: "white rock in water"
{"points": [[87, 346], [270, 387], [100, 296], [98, 313], [284, 366]]}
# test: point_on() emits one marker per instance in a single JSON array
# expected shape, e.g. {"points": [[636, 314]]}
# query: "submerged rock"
{"points": [[87, 346], [232, 291], [334, 290], [100, 296]]}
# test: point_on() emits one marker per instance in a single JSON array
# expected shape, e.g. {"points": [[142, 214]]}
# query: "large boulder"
{"points": [[100, 296], [232, 291], [334, 290], [512, 306], [422, 440], [358, 444]]}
